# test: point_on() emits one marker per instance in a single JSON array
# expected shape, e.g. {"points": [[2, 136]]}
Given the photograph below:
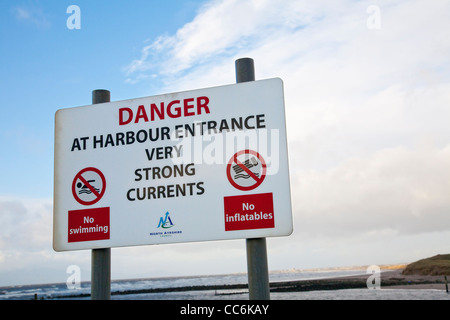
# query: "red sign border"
{"points": [[99, 195], [234, 159]]}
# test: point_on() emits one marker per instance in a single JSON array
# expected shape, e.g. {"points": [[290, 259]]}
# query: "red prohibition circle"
{"points": [[258, 180], [98, 195]]}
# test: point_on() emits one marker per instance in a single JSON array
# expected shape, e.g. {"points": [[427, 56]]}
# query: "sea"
{"points": [[61, 291]]}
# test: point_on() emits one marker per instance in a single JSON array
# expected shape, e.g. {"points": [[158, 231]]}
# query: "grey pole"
{"points": [[257, 267], [101, 258], [101, 96]]}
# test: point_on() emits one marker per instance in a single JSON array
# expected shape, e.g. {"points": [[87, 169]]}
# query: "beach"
{"points": [[321, 284], [393, 285], [395, 280], [392, 279]]}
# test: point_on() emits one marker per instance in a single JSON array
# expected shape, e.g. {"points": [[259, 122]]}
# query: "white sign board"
{"points": [[208, 164]]}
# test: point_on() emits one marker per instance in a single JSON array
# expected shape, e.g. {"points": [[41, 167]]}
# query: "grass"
{"points": [[434, 266]]}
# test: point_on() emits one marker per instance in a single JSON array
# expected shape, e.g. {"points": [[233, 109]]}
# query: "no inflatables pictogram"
{"points": [[246, 170], [88, 186]]}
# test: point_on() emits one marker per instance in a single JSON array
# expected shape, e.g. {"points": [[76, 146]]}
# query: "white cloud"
{"points": [[25, 223], [399, 191], [22, 14], [222, 28], [349, 89], [32, 14], [331, 62], [26, 253], [366, 108]]}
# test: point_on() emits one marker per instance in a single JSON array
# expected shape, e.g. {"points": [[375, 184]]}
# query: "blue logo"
{"points": [[165, 222]]}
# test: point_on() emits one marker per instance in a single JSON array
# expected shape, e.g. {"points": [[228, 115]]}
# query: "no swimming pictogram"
{"points": [[246, 170], [88, 186]]}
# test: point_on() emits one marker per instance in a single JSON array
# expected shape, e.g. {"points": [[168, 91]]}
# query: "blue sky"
{"points": [[367, 93], [46, 67]]}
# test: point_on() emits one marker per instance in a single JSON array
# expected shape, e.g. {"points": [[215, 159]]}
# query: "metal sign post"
{"points": [[257, 267], [101, 258]]}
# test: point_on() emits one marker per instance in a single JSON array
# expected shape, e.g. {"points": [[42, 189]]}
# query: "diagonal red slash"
{"points": [[79, 177], [243, 167], [88, 185], [258, 180]]}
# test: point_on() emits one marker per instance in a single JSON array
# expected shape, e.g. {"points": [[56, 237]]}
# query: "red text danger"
{"points": [[173, 109]]}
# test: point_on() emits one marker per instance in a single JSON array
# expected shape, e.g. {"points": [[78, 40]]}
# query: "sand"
{"points": [[389, 279], [395, 280]]}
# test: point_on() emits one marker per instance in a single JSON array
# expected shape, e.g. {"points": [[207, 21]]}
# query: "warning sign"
{"points": [[246, 170], [89, 186], [214, 158]]}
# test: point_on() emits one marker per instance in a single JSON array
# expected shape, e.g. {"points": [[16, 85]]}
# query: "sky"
{"points": [[367, 94]]}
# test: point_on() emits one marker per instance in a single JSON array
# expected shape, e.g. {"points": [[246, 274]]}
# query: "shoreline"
{"points": [[389, 279]]}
